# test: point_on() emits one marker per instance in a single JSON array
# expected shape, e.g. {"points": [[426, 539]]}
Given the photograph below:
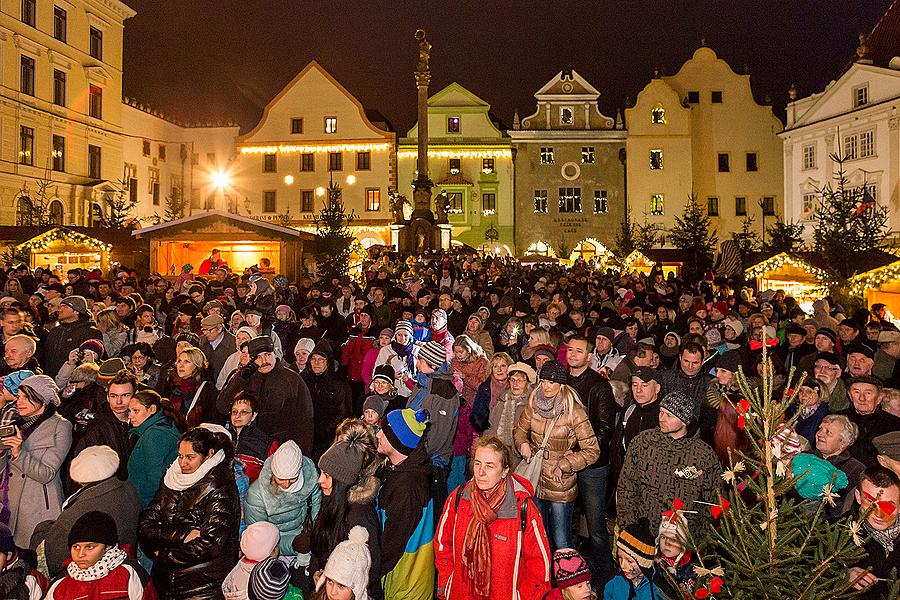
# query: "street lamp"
{"points": [[221, 179], [351, 179], [320, 191]]}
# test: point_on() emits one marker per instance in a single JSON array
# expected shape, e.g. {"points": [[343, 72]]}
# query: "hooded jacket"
{"points": [[354, 350], [155, 446], [439, 397]]}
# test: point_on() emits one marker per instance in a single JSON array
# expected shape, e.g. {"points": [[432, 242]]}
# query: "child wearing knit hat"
{"points": [[636, 550], [258, 542], [673, 553], [346, 575], [572, 575]]}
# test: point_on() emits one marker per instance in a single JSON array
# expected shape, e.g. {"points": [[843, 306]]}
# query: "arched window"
{"points": [[56, 213], [23, 211], [658, 115]]}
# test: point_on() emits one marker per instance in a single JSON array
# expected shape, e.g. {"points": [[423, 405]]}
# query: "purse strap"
{"points": [[547, 433]]}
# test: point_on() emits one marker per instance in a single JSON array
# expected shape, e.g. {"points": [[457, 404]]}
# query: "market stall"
{"points": [[643, 261], [792, 273]]}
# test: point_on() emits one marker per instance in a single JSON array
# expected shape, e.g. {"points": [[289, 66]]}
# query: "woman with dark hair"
{"points": [[252, 445], [349, 489], [187, 387], [155, 429], [309, 327], [190, 529], [142, 362], [332, 325]]}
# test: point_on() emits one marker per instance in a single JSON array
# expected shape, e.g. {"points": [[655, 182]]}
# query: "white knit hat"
{"points": [[259, 540], [287, 461], [349, 563], [93, 464]]}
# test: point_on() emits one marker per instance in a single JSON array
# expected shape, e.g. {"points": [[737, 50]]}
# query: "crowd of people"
{"points": [[454, 426]]}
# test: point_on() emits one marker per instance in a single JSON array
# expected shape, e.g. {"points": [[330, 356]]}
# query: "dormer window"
{"points": [[860, 96], [566, 115]]}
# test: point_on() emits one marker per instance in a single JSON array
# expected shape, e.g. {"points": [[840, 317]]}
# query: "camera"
{"points": [[7, 431], [148, 329]]}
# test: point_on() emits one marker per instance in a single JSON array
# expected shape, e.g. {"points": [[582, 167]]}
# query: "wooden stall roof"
{"points": [[119, 238], [211, 217], [815, 263], [666, 256]]}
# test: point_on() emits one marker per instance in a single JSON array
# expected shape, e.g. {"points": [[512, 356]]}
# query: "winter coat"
{"points": [[218, 355], [483, 339], [597, 396], [112, 496], [368, 366], [287, 511], [332, 403], [354, 350], [64, 338], [388, 356], [19, 580], [406, 510], [870, 427], [808, 426], [286, 408], [35, 484], [198, 406], [252, 441], [520, 565], [193, 570], [106, 430], [658, 469], [635, 419], [438, 396], [504, 429], [155, 447], [568, 431], [619, 588], [127, 581]]}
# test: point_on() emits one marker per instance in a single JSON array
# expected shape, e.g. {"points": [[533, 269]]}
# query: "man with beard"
{"points": [[286, 408]]}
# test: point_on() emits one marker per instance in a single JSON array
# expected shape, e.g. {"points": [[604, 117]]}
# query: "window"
{"points": [[154, 192], [95, 105], [95, 215], [335, 161], [712, 206], [23, 211], [363, 161], [657, 205], [487, 165], [489, 203], [452, 124], [269, 201], [693, 97], [867, 144], [373, 199], [146, 148], [768, 206], [59, 23], [59, 153], [716, 97], [860, 96], [540, 201], [29, 10], [210, 157], [26, 145], [570, 200], [96, 49], [95, 167], [809, 205], [59, 87], [547, 155], [296, 125], [740, 206], [566, 115], [456, 202], [656, 159], [56, 213], [724, 162], [131, 182], [851, 147], [752, 162], [809, 156], [27, 83], [330, 124], [270, 163], [306, 201], [162, 152], [455, 166], [307, 162], [587, 155], [658, 115], [601, 202]]}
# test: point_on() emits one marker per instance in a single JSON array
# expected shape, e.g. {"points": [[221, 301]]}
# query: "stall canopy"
{"points": [[242, 242], [671, 261], [64, 248], [880, 285]]}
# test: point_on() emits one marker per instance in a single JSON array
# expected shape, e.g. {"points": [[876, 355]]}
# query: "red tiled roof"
{"points": [[455, 180], [884, 41]]}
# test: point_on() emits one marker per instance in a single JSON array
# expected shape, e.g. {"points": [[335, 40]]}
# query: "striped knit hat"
{"points": [[403, 326], [637, 542], [269, 580], [433, 353], [404, 429]]}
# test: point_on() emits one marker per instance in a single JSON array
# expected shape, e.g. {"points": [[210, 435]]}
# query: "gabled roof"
{"points": [[884, 40], [227, 216], [570, 84], [454, 91], [21, 234]]}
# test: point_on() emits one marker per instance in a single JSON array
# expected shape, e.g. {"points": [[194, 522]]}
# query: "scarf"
{"points": [[404, 351], [112, 558], [807, 410], [476, 555], [178, 481], [497, 390], [884, 538], [548, 408], [508, 418]]}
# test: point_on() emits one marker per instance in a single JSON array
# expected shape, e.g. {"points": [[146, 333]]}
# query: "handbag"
{"points": [[532, 470]]}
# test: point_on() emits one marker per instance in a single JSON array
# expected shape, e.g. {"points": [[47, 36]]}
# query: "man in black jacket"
{"points": [[286, 408], [597, 396], [333, 400], [75, 326], [217, 345], [878, 496]]}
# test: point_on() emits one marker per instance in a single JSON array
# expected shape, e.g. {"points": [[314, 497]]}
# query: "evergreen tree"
{"points": [[36, 204], [176, 205], [119, 206], [692, 234], [647, 235], [335, 240], [746, 240], [624, 241], [784, 237], [849, 222]]}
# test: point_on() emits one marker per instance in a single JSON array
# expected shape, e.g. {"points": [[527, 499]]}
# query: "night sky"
{"points": [[223, 60]]}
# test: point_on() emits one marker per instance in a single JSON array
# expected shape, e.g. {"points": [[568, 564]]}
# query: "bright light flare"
{"points": [[288, 180], [320, 191], [351, 179], [220, 179]]}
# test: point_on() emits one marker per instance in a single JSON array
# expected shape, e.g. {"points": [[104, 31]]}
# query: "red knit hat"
{"points": [[569, 568]]}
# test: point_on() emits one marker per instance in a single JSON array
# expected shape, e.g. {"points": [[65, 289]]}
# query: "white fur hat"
{"points": [[349, 563], [93, 464]]}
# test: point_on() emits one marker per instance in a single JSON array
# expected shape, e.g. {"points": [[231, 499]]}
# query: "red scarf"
{"points": [[477, 544]]}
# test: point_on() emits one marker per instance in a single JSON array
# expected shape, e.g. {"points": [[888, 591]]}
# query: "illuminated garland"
{"points": [[635, 256], [317, 149], [874, 278], [779, 260], [43, 241], [480, 153]]}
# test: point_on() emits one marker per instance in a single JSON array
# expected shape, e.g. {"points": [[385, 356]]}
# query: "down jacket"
{"points": [[194, 570], [569, 431], [520, 563], [286, 511]]}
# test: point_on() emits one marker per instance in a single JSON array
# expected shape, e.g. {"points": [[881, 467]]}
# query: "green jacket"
{"points": [[155, 448]]}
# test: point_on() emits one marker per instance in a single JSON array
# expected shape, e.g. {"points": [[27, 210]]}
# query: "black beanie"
{"points": [[94, 526]]}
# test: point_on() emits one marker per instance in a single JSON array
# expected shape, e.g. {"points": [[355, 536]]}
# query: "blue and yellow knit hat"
{"points": [[404, 429]]}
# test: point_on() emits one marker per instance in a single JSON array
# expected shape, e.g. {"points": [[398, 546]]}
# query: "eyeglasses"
{"points": [[241, 413], [884, 509]]}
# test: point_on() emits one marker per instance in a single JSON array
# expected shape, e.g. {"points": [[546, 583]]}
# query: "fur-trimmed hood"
{"points": [[365, 491]]}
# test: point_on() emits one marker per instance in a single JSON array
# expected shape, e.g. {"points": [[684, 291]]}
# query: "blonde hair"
{"points": [[888, 397], [108, 321], [540, 335], [469, 345], [504, 357], [198, 358]]}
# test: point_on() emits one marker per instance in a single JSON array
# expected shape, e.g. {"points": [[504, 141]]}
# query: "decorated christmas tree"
{"points": [[334, 237], [770, 542]]}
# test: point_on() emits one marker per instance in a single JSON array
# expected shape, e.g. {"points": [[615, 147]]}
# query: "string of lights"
{"points": [[45, 240], [780, 260], [314, 149], [874, 278]]}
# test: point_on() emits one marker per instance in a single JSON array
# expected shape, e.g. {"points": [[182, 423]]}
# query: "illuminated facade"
{"points": [[314, 131], [570, 194], [61, 111], [700, 131], [471, 161]]}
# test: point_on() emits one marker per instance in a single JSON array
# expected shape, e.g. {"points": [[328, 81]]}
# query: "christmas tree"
{"points": [[768, 543], [334, 239], [692, 233]]}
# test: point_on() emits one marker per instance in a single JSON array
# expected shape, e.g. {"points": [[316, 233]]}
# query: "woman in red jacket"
{"points": [[490, 542]]}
